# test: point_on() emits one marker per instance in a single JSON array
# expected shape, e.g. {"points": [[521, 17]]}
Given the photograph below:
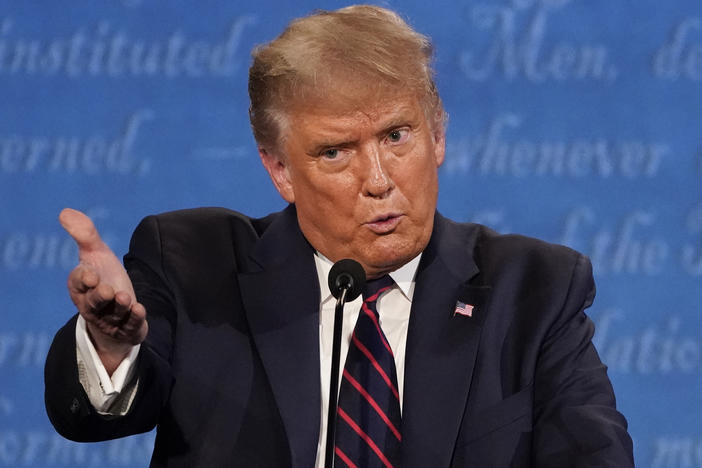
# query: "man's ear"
{"points": [[279, 173], [439, 144]]}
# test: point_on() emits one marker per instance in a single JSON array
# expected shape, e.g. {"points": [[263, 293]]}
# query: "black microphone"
{"points": [[346, 281], [347, 274]]}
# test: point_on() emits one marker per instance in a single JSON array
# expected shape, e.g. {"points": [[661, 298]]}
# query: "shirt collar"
{"points": [[403, 276]]}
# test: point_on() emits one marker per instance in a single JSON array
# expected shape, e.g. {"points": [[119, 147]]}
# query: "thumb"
{"points": [[81, 229]]}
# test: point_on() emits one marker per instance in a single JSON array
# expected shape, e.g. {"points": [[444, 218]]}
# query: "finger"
{"points": [[123, 300], [120, 313], [132, 329], [136, 327], [82, 279], [101, 300], [138, 312], [81, 229]]}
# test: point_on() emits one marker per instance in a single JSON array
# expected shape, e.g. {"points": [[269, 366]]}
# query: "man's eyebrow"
{"points": [[401, 118], [398, 121], [326, 144]]}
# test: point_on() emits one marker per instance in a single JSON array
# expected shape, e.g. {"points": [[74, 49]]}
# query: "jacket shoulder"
{"points": [[204, 236], [203, 224], [517, 264], [209, 219], [552, 279], [495, 253]]}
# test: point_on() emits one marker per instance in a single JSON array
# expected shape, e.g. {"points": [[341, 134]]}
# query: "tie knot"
{"points": [[375, 286]]}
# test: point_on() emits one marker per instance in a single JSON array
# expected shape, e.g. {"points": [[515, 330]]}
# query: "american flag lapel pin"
{"points": [[463, 309]]}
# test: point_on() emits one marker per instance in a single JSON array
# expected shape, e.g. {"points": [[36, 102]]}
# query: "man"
{"points": [[220, 334]]}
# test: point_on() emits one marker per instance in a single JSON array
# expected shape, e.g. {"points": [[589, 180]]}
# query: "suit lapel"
{"points": [[281, 299], [441, 346]]}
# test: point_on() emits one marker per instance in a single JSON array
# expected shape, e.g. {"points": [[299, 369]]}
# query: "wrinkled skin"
{"points": [[364, 181]]}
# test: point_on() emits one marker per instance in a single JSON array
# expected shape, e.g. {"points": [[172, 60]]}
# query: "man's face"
{"points": [[364, 181]]}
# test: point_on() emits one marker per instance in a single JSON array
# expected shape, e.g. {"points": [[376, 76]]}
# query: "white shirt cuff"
{"points": [[102, 390]]}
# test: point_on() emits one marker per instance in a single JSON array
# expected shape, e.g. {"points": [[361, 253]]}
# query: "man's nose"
{"points": [[377, 182]]}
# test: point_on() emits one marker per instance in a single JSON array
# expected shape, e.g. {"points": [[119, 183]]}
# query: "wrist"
{"points": [[110, 350]]}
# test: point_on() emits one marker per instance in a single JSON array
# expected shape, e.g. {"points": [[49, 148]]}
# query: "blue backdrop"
{"points": [[571, 120]]}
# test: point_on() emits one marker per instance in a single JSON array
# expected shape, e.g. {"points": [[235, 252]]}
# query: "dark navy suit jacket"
{"points": [[229, 372]]}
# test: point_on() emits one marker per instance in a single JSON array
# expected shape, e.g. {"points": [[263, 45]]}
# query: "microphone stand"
{"points": [[334, 380]]}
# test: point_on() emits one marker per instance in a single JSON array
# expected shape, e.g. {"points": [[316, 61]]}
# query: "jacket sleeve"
{"points": [[67, 404], [576, 420]]}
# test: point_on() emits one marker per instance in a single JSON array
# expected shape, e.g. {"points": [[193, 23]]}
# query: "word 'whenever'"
{"points": [[496, 153]]}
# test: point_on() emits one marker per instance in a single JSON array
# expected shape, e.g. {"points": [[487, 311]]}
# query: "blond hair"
{"points": [[364, 46]]}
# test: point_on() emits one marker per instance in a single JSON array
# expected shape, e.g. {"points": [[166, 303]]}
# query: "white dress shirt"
{"points": [[394, 310], [114, 394]]}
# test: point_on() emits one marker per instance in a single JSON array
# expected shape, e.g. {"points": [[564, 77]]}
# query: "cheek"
{"points": [[335, 195], [418, 179], [328, 199], [340, 189]]}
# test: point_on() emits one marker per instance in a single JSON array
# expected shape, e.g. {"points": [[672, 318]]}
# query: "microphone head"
{"points": [[347, 274]]}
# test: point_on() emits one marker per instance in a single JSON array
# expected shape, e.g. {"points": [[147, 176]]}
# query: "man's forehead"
{"points": [[333, 117]]}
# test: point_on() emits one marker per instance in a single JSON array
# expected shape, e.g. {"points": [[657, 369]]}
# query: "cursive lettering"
{"points": [[628, 248], [496, 152], [103, 50], [95, 154], [516, 52], [681, 56]]}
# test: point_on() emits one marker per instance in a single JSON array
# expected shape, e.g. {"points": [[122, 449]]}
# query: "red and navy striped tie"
{"points": [[368, 416]]}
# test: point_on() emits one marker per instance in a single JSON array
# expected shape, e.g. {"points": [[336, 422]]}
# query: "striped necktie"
{"points": [[368, 416]]}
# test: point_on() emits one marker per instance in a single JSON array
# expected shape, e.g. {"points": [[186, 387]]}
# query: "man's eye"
{"points": [[398, 136], [331, 153]]}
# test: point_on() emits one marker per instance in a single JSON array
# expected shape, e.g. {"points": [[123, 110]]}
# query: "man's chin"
{"points": [[387, 258]]}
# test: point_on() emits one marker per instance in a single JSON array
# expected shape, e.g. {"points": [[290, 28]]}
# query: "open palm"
{"points": [[103, 293]]}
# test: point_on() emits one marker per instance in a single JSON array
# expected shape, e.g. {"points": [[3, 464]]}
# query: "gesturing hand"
{"points": [[102, 291]]}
